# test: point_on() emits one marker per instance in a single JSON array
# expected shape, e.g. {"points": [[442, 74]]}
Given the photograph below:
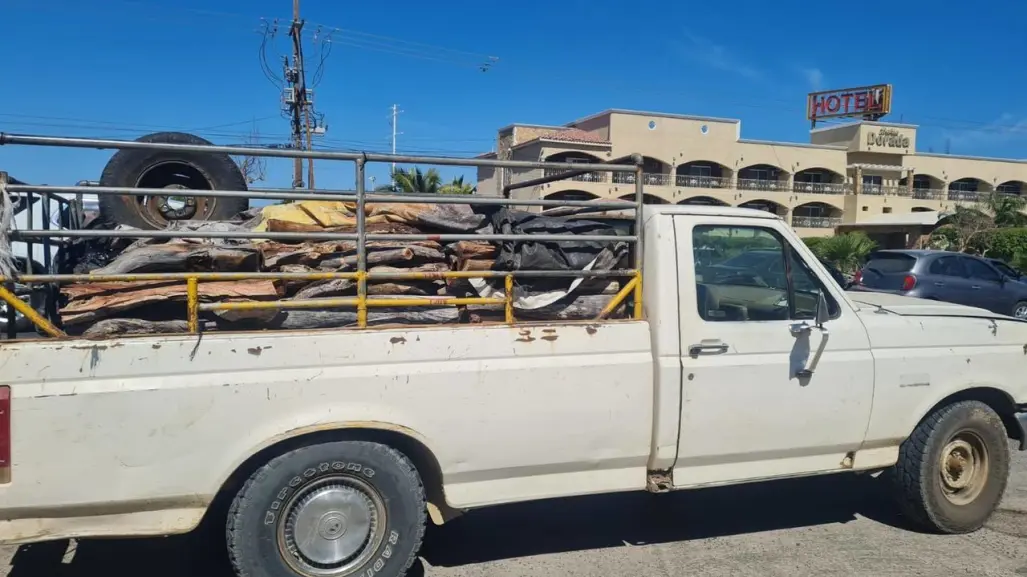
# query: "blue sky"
{"points": [[122, 68]]}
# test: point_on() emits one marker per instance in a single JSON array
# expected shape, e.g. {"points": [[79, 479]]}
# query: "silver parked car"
{"points": [[945, 276]]}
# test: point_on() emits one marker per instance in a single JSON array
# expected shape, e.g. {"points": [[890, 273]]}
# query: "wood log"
{"points": [[177, 257], [476, 264], [472, 249], [110, 328], [277, 254], [311, 319], [89, 302], [407, 253]]}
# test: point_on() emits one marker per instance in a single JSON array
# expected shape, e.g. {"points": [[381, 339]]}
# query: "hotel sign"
{"points": [[888, 138], [871, 102]]}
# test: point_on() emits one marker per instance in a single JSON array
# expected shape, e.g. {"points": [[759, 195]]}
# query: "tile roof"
{"points": [[574, 135]]}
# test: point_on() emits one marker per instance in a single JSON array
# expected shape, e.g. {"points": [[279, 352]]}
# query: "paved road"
{"points": [[814, 527]]}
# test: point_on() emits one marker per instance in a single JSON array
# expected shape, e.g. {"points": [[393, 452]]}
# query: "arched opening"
{"points": [[646, 199], [701, 174], [576, 158], [925, 186], [819, 181], [1014, 187], [922, 209], [766, 206], [966, 189], [703, 201], [816, 215], [655, 172], [762, 177], [570, 195]]}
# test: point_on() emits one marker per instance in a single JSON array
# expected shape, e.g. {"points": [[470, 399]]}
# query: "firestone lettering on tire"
{"points": [[272, 513]]}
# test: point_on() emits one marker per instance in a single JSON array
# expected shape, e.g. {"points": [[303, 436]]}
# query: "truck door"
{"points": [[764, 392]]}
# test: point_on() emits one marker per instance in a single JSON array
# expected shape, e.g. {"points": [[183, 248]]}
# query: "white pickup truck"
{"points": [[333, 447]]}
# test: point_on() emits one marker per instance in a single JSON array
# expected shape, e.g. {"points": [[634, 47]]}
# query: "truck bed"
{"points": [[151, 419]]}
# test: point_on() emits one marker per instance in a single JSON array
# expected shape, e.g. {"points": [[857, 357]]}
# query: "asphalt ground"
{"points": [[837, 525]]}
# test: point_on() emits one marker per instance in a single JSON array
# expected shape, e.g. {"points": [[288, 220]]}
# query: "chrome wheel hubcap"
{"points": [[332, 527]]}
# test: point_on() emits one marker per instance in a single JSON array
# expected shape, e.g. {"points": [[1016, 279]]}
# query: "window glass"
{"points": [[947, 266], [741, 275], [980, 271]]}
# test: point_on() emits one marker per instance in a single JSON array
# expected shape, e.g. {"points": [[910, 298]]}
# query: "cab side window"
{"points": [[752, 274], [978, 270]]}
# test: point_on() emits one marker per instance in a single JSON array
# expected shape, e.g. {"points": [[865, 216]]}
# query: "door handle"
{"points": [[802, 328], [975, 287], [708, 347], [939, 284]]}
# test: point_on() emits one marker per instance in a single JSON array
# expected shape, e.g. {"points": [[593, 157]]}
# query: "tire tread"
{"points": [[244, 496], [913, 469]]}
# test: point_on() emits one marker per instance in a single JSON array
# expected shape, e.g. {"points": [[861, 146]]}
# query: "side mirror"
{"points": [[823, 314]]}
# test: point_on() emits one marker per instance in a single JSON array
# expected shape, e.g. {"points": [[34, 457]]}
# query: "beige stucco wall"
{"points": [[676, 140]]}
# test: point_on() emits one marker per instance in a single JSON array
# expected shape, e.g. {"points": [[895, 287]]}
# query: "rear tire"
{"points": [[138, 168], [1020, 310], [329, 510], [953, 469]]}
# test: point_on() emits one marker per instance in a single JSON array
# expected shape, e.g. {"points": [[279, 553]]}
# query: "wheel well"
{"points": [[999, 401], [422, 458]]}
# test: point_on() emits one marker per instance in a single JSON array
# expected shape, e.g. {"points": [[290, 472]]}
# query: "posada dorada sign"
{"points": [[888, 138]]}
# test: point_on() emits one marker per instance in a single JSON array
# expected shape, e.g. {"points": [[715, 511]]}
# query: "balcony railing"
{"points": [[821, 187], [697, 181], [587, 177], [815, 221], [965, 195], [762, 184], [928, 194]]}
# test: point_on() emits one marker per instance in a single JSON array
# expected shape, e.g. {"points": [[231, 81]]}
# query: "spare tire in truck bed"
{"points": [[172, 170]]}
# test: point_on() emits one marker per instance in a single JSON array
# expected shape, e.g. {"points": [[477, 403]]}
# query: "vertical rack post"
{"points": [[361, 245], [12, 313], [639, 252], [508, 282], [192, 297]]}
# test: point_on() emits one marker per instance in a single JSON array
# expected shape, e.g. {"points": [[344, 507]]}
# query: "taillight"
{"points": [[909, 282], [5, 434], [858, 277]]}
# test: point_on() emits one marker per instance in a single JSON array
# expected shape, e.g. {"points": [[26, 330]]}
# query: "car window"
{"points": [[890, 262], [979, 270], [750, 279], [947, 266], [1006, 269]]}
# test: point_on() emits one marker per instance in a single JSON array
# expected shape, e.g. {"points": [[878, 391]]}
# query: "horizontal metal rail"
{"points": [[339, 196], [301, 236], [77, 142], [312, 276]]}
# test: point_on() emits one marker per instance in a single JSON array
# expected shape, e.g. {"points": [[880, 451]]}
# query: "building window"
{"points": [[872, 184], [886, 209]]}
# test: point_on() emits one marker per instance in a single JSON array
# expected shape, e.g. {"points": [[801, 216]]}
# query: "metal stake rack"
{"points": [[49, 237]]}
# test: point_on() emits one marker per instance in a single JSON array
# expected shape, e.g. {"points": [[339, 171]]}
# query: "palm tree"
{"points": [[845, 251], [458, 186], [1005, 210], [415, 181]]}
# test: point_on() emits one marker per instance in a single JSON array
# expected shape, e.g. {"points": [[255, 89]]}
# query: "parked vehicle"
{"points": [[945, 276], [331, 445]]}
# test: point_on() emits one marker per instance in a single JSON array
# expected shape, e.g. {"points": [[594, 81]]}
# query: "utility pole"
{"points": [[297, 101], [395, 115]]}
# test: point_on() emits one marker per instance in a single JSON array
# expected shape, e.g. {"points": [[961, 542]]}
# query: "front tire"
{"points": [[953, 469], [329, 510]]}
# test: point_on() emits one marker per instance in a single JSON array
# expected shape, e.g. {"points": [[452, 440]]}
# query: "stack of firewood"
{"points": [[109, 309]]}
